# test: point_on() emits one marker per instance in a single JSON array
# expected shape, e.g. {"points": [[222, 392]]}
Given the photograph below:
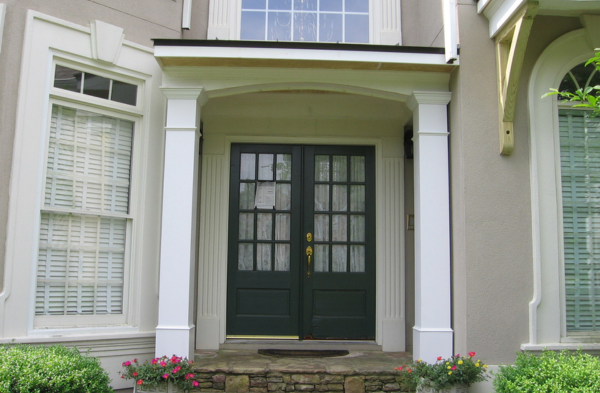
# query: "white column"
{"points": [[433, 334], [175, 330]]}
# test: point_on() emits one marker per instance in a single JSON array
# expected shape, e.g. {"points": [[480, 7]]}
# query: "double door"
{"points": [[301, 254]]}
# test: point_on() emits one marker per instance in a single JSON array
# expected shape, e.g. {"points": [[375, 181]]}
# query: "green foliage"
{"points": [[174, 369], [588, 97], [550, 372], [446, 372], [56, 369]]}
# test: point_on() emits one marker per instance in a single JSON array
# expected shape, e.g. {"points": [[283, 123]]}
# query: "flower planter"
{"points": [[162, 387], [453, 389]]}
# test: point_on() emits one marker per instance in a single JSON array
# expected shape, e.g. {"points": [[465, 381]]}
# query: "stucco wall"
{"points": [[491, 200], [491, 219], [141, 20], [422, 23]]}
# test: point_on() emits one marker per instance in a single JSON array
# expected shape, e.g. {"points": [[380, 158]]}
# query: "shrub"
{"points": [[550, 372], [56, 369]]}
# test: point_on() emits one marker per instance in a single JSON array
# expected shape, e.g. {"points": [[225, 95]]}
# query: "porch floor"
{"points": [[244, 370]]}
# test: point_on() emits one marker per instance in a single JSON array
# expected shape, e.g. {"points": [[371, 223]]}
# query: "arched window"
{"points": [[579, 135]]}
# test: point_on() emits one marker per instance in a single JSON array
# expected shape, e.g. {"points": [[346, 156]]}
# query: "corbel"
{"points": [[510, 51]]}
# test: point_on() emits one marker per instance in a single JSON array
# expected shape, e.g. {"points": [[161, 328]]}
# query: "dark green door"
{"points": [[301, 257]]}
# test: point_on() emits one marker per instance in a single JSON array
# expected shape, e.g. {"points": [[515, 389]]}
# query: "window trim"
{"points": [[547, 322], [65, 98]]}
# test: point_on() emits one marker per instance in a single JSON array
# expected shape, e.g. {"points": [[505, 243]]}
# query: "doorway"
{"points": [[301, 248]]}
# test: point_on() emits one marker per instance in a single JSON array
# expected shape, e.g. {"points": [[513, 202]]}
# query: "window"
{"points": [[305, 20], [580, 183], [85, 216]]}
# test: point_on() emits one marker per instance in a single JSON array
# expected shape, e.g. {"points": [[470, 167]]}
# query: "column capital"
{"points": [[428, 98], [185, 93]]}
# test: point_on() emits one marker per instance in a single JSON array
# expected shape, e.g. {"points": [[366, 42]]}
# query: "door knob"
{"points": [[309, 252]]}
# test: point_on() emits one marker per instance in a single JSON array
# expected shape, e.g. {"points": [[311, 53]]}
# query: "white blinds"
{"points": [[580, 167], [81, 261]]}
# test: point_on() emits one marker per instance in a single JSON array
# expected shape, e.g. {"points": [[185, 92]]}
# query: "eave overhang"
{"points": [[211, 53]]}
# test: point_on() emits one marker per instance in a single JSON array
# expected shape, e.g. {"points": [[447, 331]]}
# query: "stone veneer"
{"points": [[279, 382]]}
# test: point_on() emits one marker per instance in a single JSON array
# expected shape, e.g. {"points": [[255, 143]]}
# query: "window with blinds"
{"points": [[580, 179], [85, 215]]}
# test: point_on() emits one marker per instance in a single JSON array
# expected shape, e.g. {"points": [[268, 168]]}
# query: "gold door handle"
{"points": [[309, 253]]}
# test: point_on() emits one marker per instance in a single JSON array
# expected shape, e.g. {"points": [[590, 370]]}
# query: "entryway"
{"points": [[301, 250]]}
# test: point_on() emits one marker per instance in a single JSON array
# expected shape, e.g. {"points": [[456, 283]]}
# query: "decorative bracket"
{"points": [[510, 51]]}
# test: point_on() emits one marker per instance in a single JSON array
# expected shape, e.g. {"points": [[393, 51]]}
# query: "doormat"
{"points": [[302, 353]]}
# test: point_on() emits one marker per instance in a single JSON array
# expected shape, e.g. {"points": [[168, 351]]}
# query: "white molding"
{"points": [[450, 18], [500, 12], [299, 54], [186, 15], [428, 98], [546, 310], [107, 40]]}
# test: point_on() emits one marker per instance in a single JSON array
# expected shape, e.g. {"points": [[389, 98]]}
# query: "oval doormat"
{"points": [[302, 353]]}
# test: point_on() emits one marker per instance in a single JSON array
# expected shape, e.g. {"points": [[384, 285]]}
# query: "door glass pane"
{"points": [[340, 198], [340, 258], [247, 196], [357, 259], [330, 27], [340, 168], [359, 33], [245, 256], [265, 167], [321, 256], [282, 257], [321, 168], [357, 168], [340, 228], [264, 226], [263, 256], [357, 198], [321, 197], [305, 5], [247, 166], [279, 26], [305, 26], [357, 228], [284, 167], [246, 226], [253, 25], [283, 196], [282, 226], [321, 227]]}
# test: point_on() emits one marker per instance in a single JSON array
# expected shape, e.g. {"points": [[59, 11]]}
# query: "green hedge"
{"points": [[572, 372], [56, 369]]}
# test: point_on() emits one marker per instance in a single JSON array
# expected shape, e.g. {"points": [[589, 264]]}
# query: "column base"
{"points": [[208, 333], [429, 343], [175, 340], [394, 335]]}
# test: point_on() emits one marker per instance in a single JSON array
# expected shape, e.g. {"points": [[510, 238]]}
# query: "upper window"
{"points": [[305, 20], [580, 183]]}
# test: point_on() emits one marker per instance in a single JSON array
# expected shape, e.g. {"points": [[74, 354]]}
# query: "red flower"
{"points": [[134, 374], [140, 382], [472, 354], [439, 358], [135, 360], [453, 368], [122, 376], [127, 363]]}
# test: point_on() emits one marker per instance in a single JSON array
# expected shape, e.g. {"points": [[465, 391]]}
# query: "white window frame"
{"points": [[224, 21], [547, 309]]}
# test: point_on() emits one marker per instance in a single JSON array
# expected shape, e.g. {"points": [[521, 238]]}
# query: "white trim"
{"points": [[546, 309], [299, 54], [499, 12], [186, 16], [450, 30], [2, 19]]}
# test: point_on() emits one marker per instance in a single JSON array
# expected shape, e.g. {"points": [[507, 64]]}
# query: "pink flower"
{"points": [[134, 374], [194, 383], [154, 361], [472, 354], [127, 363], [163, 363], [176, 369], [135, 360], [453, 368], [439, 358], [140, 382], [190, 375], [165, 376]]}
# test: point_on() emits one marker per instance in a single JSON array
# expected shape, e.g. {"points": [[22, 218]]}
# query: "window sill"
{"points": [[85, 333]]}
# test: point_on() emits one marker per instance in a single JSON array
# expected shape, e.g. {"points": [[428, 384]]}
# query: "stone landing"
{"points": [[245, 371]]}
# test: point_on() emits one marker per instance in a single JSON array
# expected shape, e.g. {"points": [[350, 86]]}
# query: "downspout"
{"points": [[186, 15], [450, 30]]}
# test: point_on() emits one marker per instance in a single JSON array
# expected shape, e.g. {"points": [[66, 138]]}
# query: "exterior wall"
{"points": [[141, 20], [199, 21], [491, 217], [422, 23]]}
